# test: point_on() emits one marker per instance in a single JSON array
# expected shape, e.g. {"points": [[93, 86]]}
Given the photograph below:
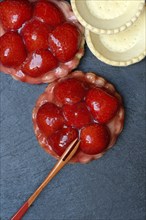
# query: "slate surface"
{"points": [[111, 188]]}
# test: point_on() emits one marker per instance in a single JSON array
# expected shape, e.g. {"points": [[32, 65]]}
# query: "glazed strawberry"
{"points": [[49, 118], [49, 12], [64, 41], [35, 35], [94, 139], [77, 115], [69, 91], [12, 49], [13, 13], [61, 139], [39, 62], [103, 105]]}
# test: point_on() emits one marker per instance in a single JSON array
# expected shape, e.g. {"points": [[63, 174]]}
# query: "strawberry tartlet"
{"points": [[83, 106], [41, 41]]}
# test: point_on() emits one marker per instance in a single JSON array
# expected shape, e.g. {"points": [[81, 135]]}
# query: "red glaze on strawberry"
{"points": [[35, 21], [13, 13], [39, 62], [102, 104], [69, 91], [64, 41], [49, 13], [35, 35], [61, 139], [77, 115], [49, 118], [12, 49], [94, 139]]}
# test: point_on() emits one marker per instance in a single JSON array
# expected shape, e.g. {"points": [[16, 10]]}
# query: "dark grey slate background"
{"points": [[111, 188]]}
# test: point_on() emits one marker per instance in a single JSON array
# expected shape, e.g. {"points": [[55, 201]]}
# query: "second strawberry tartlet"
{"points": [[41, 41], [83, 106]]}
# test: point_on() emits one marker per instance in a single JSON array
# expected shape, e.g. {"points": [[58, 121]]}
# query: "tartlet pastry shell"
{"points": [[105, 26], [120, 58]]}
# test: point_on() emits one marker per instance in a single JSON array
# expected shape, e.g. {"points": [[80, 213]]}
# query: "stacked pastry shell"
{"points": [[115, 30]]}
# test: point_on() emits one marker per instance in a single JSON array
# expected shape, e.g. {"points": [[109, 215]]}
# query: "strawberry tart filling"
{"points": [[41, 41], [83, 106]]}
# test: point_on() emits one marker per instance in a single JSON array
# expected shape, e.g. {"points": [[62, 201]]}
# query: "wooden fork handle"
{"points": [[19, 214], [59, 165]]}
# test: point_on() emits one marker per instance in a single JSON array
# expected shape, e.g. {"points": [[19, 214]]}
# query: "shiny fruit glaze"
{"points": [[35, 35], [102, 104], [60, 139], [43, 8], [71, 96], [41, 25], [64, 41], [94, 138], [37, 63], [74, 94], [77, 115], [12, 49], [13, 13], [49, 118]]}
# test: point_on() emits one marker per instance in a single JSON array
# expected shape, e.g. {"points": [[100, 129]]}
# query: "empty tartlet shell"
{"points": [[102, 30], [64, 68], [115, 125], [117, 58]]}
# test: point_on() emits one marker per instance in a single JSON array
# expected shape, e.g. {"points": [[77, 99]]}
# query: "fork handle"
{"points": [[67, 155], [19, 214]]}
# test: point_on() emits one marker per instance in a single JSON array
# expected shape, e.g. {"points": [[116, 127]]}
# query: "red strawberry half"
{"points": [[77, 115], [49, 118], [69, 91], [13, 13], [61, 139], [102, 104], [12, 49], [35, 35], [49, 13], [39, 62], [64, 41], [94, 139]]}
